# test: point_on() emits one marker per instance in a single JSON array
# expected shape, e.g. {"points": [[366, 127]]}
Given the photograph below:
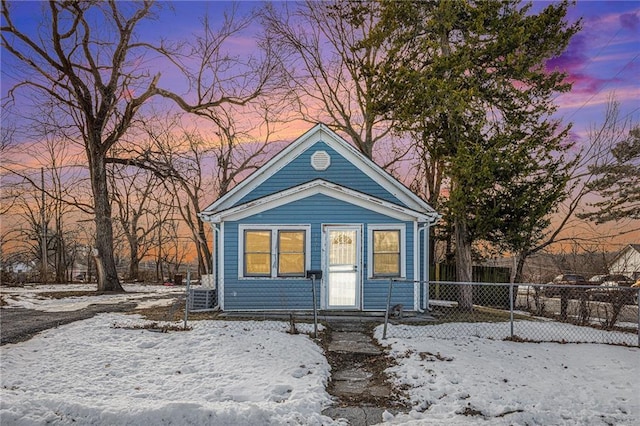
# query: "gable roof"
{"points": [[317, 186], [319, 132], [629, 247]]}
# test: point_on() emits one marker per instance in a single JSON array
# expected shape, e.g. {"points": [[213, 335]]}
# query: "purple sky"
{"points": [[601, 60]]}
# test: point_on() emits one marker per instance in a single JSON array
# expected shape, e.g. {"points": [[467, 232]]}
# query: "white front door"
{"points": [[343, 267]]}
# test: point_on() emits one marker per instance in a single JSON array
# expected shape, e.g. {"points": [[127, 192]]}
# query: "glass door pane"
{"points": [[343, 268]]}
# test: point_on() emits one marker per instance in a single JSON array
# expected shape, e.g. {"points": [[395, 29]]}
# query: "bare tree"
{"points": [[335, 73], [91, 75], [163, 211], [44, 195], [60, 185], [31, 236], [132, 193], [196, 167], [172, 249], [94, 82], [206, 62], [616, 174], [7, 146], [594, 155]]}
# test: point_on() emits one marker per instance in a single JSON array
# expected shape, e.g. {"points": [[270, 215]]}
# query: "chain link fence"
{"points": [[519, 312]]}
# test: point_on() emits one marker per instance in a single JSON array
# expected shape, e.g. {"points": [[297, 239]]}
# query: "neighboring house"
{"points": [[627, 262], [319, 205]]}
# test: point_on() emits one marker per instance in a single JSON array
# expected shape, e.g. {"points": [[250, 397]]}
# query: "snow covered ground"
{"points": [[477, 380], [254, 373], [30, 297], [219, 373]]}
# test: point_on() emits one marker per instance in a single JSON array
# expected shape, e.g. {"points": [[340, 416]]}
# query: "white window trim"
{"points": [[274, 249], [403, 248]]}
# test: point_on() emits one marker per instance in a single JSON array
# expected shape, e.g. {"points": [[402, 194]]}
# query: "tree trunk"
{"points": [[201, 262], [134, 262], [90, 262], [105, 261], [61, 259], [464, 267], [516, 275], [205, 259], [159, 266], [564, 304]]}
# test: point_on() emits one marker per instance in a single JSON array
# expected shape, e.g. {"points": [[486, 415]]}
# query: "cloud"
{"points": [[575, 99], [589, 71], [573, 61], [601, 55], [630, 21], [584, 83], [573, 58]]}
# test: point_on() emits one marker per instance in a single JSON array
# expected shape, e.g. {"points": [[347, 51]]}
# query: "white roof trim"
{"points": [[630, 247], [309, 138], [314, 187]]}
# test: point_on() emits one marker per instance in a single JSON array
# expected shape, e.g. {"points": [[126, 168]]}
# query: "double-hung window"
{"points": [[257, 253], [276, 251], [386, 251], [291, 253]]}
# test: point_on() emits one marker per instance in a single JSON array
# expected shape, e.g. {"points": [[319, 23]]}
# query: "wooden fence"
{"points": [[482, 295]]}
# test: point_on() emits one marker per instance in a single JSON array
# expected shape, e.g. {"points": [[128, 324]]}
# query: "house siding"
{"points": [[294, 293], [627, 262], [341, 171]]}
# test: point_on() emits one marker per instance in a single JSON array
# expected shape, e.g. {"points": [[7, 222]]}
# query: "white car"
{"points": [[613, 288]]}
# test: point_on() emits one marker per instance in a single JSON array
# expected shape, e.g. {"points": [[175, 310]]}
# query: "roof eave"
{"points": [[314, 187]]}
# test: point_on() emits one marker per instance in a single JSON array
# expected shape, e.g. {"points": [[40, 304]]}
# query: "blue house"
{"points": [[319, 205]]}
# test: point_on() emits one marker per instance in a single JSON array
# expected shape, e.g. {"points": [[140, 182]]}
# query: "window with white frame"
{"points": [[257, 253], [291, 253], [386, 251], [274, 251]]}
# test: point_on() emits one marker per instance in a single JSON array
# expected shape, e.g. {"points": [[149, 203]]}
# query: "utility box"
{"points": [[202, 299]]}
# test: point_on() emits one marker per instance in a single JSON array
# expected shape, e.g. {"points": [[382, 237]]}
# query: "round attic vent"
{"points": [[320, 160]]}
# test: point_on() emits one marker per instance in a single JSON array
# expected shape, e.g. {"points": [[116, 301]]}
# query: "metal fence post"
{"points": [[511, 307], [437, 281], [315, 309], [186, 299], [386, 312]]}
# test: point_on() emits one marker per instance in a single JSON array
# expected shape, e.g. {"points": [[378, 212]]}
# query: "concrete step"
{"points": [[362, 326], [356, 416], [353, 342]]}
